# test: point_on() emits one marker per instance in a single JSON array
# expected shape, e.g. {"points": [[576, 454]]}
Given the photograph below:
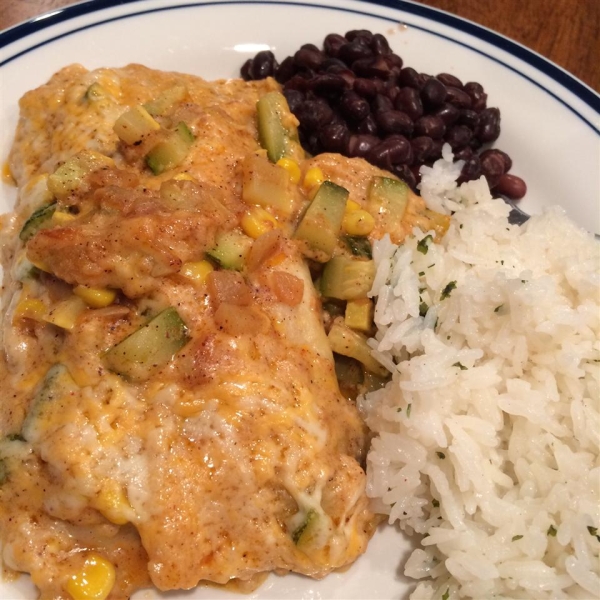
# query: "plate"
{"points": [[550, 128]]}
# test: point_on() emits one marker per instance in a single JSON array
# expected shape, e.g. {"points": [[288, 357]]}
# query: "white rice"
{"points": [[487, 438]]}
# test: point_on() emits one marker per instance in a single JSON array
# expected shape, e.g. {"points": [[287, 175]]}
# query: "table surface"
{"points": [[565, 31]]}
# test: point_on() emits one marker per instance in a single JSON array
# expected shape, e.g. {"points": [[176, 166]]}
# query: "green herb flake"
{"points": [[441, 455], [423, 245], [423, 308], [421, 273], [399, 410], [408, 409], [446, 594], [551, 531], [435, 503], [460, 366], [498, 308], [516, 537], [594, 531], [448, 290]]}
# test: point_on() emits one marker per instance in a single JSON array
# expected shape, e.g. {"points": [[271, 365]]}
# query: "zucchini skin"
{"points": [[149, 348]]}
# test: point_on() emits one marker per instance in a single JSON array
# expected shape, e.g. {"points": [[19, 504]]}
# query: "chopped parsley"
{"points": [[435, 503], [423, 245], [460, 366], [421, 273], [408, 409], [441, 455], [594, 531], [551, 531], [516, 537], [448, 290], [423, 308], [446, 594], [498, 308]]}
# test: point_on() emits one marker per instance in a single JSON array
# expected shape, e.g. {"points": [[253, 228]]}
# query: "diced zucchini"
{"points": [[150, 347], [267, 185], [134, 125], [38, 220], [347, 278], [57, 384], [359, 314], [347, 342], [302, 534], [359, 246], [387, 201], [95, 92], [320, 226], [231, 250], [69, 176], [277, 129], [172, 151], [161, 105], [431, 219]]}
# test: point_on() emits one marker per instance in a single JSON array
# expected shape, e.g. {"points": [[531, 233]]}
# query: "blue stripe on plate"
{"points": [[566, 80]]}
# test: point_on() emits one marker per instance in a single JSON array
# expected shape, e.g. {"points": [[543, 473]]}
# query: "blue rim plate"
{"points": [[550, 127]]}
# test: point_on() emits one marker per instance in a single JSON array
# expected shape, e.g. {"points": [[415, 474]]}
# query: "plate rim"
{"points": [[540, 63]]}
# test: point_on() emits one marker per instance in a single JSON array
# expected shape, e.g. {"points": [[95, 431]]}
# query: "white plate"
{"points": [[550, 127]]}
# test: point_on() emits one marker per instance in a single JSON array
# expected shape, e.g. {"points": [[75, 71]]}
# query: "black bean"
{"points": [[436, 150], [449, 80], [375, 66], [492, 167], [246, 69], [421, 146], [381, 103], [447, 113], [488, 128], [299, 82], [409, 77], [294, 99], [394, 150], [405, 173], [365, 87], [391, 90], [458, 136], [506, 160], [511, 186], [380, 45], [329, 83], [353, 51], [287, 69], [353, 106], [409, 100], [464, 153], [314, 113], [468, 117], [431, 126], [394, 121], [470, 170], [334, 137], [363, 35], [477, 94], [332, 44], [367, 125], [395, 62], [332, 62], [361, 144], [433, 93], [458, 98], [308, 58]]}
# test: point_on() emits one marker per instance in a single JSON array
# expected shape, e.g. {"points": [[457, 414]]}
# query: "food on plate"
{"points": [[170, 411], [487, 438], [356, 96]]}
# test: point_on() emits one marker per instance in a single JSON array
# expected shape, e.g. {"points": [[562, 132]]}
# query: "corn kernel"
{"points": [[113, 504], [291, 166], [358, 222], [60, 217], [95, 297], [258, 221], [183, 177], [65, 313], [32, 308], [313, 177], [94, 581], [352, 206], [197, 271]]}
